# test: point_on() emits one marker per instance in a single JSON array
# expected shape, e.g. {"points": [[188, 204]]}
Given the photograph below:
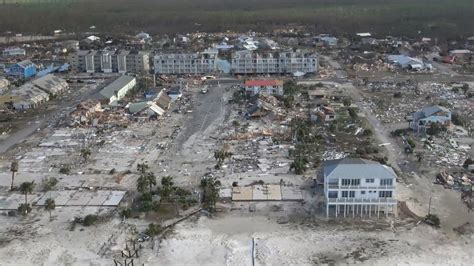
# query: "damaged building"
{"points": [[423, 119]]}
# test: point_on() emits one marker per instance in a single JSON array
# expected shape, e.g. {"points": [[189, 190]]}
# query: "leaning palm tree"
{"points": [[13, 169], [49, 206], [27, 188]]}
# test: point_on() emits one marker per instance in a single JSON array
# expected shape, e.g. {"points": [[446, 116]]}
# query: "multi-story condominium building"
{"points": [[358, 187], [248, 62], [190, 63], [137, 62], [108, 61]]}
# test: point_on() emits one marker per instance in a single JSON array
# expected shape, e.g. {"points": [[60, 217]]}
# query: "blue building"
{"points": [[422, 120], [24, 69]]}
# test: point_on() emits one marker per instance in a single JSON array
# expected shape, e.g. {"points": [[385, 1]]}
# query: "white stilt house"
{"points": [[357, 187]]}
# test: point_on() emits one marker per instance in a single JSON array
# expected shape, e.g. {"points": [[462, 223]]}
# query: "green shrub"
{"points": [[411, 143], [65, 169], [126, 212], [90, 220], [146, 206], [154, 229], [49, 183], [433, 219]]}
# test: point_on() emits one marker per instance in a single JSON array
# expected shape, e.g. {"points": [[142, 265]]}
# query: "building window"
{"points": [[369, 180], [385, 194], [355, 182], [332, 194], [362, 192], [345, 182], [348, 194], [386, 182]]}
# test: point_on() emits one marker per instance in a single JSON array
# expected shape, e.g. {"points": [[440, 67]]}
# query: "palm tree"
{"points": [[85, 154], [24, 209], [220, 156], [299, 165], [300, 129], [13, 169], [142, 168], [167, 187], [211, 188], [151, 179], [49, 206], [27, 188], [142, 184], [167, 181]]}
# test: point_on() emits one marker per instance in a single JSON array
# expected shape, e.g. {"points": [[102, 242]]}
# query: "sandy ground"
{"points": [[227, 240]]}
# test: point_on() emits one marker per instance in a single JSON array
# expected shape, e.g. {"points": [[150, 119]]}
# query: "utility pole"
{"points": [[429, 207]]}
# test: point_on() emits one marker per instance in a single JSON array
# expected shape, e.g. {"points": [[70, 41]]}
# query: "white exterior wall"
{"points": [[90, 64], [122, 63], [123, 91], [106, 62], [267, 90], [184, 64], [360, 202]]}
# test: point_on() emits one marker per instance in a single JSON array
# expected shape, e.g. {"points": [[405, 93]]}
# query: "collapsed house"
{"points": [[322, 114], [85, 110], [262, 105], [151, 108]]}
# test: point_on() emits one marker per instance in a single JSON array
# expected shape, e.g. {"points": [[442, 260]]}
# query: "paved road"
{"points": [[49, 117], [207, 108]]}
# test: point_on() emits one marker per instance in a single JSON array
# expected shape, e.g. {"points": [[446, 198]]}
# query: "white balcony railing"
{"points": [[336, 186], [362, 201]]}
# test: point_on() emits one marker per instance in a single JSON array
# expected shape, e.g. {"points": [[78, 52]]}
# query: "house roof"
{"points": [[404, 60], [134, 108], [25, 63], [356, 168], [431, 110], [29, 92], [263, 82], [109, 90], [50, 83], [163, 100]]}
